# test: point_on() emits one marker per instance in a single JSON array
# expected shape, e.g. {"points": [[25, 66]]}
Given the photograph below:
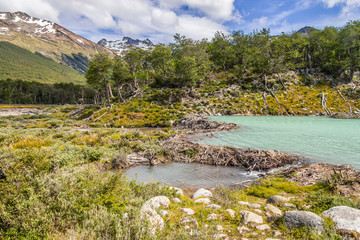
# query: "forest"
{"points": [[245, 59]]}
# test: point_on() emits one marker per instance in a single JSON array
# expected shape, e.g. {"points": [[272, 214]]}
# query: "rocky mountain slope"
{"points": [[47, 38], [118, 46]]}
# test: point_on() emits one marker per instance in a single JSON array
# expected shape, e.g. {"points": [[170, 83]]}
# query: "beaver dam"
{"points": [[194, 164]]}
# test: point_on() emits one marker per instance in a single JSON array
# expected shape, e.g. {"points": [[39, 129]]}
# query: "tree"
{"points": [[350, 41], [98, 74], [162, 65], [191, 60], [222, 52], [120, 75]]}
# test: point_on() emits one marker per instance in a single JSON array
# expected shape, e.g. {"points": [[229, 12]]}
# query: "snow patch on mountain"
{"points": [[119, 46]]}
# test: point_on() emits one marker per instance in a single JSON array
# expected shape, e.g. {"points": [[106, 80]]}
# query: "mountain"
{"points": [[19, 63], [47, 38], [119, 46], [306, 30]]}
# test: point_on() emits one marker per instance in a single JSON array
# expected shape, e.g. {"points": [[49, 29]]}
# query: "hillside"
{"points": [[19, 63], [47, 38]]}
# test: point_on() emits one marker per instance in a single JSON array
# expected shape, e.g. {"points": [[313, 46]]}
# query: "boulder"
{"points": [[213, 206], [250, 217], [276, 199], [175, 199], [148, 211], [273, 210], [202, 192], [155, 203], [297, 219], [188, 211], [345, 218], [202, 200], [230, 212]]}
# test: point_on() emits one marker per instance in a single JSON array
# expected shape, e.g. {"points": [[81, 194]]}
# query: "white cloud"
{"points": [[136, 18], [214, 9]]}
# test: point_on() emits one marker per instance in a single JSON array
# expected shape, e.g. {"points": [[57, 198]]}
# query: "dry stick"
{"points": [[345, 100], [278, 102], [323, 103]]}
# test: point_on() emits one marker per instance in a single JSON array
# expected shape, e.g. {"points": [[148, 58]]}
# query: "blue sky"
{"points": [[159, 20]]}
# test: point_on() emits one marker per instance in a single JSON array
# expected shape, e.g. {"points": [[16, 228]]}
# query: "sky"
{"points": [[159, 20]]}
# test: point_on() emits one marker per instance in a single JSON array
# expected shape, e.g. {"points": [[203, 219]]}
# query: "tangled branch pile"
{"points": [[199, 124], [181, 150]]}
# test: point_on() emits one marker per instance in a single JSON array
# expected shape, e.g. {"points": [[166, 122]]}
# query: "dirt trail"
{"points": [[18, 111]]}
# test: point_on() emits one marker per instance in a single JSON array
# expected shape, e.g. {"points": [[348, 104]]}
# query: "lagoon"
{"points": [[321, 139]]}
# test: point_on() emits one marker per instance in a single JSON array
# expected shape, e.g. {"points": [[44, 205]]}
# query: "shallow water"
{"points": [[191, 175], [322, 139]]}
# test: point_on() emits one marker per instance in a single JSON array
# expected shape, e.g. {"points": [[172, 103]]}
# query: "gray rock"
{"points": [[243, 203], [250, 217], [344, 217], [202, 200], [175, 199], [230, 212], [254, 205], [213, 206], [188, 211], [276, 199], [273, 210], [297, 219], [288, 205], [202, 192]]}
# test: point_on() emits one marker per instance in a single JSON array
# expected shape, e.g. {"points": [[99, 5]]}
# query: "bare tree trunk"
{"points": [[323, 104], [343, 98], [110, 90], [106, 91]]}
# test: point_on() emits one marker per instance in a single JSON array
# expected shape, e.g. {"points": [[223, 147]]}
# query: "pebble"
{"points": [[263, 227], [213, 206], [230, 212], [188, 211], [175, 199], [203, 200], [212, 216]]}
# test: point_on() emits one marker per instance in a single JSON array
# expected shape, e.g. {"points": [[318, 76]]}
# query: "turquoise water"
{"points": [[192, 175], [322, 139]]}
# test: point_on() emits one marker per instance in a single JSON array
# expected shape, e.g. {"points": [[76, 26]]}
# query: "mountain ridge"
{"points": [[119, 46], [48, 38]]}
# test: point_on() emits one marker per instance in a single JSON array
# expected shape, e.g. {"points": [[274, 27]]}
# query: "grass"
{"points": [[19, 63], [58, 186]]}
